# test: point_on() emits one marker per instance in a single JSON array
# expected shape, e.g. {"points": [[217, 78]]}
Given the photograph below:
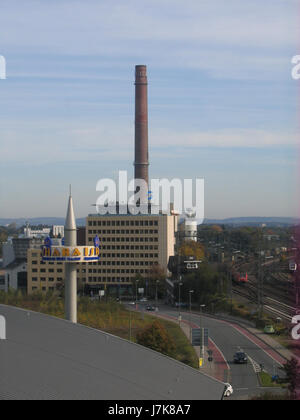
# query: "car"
{"points": [[269, 329], [228, 390], [144, 300], [150, 308], [240, 358]]}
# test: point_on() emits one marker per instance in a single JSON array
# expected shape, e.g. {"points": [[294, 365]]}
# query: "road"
{"points": [[229, 340]]}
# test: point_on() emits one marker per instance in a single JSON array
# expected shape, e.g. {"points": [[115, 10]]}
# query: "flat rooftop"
{"points": [[45, 358]]}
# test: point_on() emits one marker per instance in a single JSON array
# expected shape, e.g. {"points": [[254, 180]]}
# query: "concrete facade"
{"points": [[130, 245]]}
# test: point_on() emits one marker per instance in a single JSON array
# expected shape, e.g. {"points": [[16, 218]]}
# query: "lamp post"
{"points": [[179, 303], [190, 294], [156, 297], [202, 331], [136, 294], [130, 325]]}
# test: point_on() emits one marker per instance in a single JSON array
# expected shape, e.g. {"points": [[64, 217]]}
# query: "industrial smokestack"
{"points": [[141, 162]]}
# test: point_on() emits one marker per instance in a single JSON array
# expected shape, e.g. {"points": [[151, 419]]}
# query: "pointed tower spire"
{"points": [[70, 224]]}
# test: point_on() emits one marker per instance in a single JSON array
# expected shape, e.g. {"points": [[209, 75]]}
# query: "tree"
{"points": [[217, 229], [192, 249], [156, 337], [157, 277]]}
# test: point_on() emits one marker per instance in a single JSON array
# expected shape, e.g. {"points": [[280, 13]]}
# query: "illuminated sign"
{"points": [[75, 254]]}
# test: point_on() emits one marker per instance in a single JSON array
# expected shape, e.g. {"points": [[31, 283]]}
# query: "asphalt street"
{"points": [[243, 378]]}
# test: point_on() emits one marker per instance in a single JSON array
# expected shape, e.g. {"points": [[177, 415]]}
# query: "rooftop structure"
{"points": [[45, 358]]}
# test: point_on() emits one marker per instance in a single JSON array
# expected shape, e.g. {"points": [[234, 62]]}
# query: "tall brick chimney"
{"points": [[141, 163]]}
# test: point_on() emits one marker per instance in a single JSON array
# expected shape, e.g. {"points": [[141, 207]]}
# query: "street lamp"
{"points": [[190, 294], [202, 331], [136, 294], [179, 303], [156, 297]]}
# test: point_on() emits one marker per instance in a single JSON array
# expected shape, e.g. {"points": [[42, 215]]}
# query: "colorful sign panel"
{"points": [[75, 254]]}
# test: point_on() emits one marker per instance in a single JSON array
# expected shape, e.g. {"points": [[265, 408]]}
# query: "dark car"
{"points": [[240, 358], [150, 308]]}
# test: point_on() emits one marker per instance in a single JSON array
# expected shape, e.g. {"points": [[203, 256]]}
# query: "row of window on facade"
{"points": [[123, 232], [111, 239], [123, 223], [98, 279]]}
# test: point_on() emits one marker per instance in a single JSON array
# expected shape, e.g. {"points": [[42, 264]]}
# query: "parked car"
{"points": [[269, 329], [240, 358], [228, 390]]}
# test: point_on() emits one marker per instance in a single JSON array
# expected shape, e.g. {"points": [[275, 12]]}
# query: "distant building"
{"points": [[15, 261], [16, 276], [188, 230], [49, 276], [36, 233], [272, 237]]}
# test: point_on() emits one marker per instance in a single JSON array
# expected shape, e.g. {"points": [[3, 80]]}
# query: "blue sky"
{"points": [[222, 103]]}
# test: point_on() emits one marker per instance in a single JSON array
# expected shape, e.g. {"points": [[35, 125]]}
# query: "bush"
{"points": [[156, 337]]}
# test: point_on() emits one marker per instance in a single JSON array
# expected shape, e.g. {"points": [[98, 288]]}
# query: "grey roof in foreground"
{"points": [[48, 358]]}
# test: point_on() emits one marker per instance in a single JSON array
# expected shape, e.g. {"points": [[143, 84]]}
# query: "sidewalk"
{"points": [[218, 369]]}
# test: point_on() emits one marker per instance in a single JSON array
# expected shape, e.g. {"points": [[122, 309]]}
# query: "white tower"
{"points": [[70, 268], [71, 255]]}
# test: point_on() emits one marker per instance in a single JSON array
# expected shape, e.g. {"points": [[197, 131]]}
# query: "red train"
{"points": [[240, 278]]}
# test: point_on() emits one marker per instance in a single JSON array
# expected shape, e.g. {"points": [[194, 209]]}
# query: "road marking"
{"points": [[250, 339], [256, 366]]}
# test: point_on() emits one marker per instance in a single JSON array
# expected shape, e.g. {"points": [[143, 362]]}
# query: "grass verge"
{"points": [[110, 317], [266, 381]]}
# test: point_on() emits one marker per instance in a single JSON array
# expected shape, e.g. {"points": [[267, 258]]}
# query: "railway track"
{"points": [[271, 305], [277, 293]]}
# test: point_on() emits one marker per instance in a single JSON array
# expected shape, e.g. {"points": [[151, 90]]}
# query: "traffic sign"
{"points": [[197, 334]]}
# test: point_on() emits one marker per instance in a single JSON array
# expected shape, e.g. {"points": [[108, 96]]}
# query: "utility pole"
{"points": [[260, 294], [130, 325], [156, 296], [179, 303], [202, 332], [230, 290], [136, 294], [190, 293]]}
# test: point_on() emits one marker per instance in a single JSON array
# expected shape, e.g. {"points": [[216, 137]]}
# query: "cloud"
{"points": [[37, 143], [226, 138], [226, 38], [67, 26]]}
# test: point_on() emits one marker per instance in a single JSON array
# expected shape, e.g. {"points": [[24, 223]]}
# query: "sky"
{"points": [[222, 102]]}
